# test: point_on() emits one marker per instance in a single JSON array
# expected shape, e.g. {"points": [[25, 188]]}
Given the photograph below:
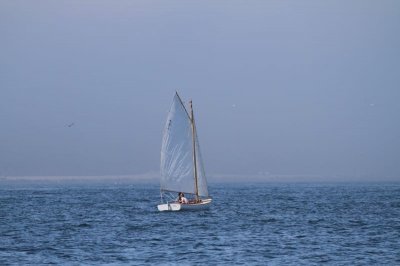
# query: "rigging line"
{"points": [[183, 105]]}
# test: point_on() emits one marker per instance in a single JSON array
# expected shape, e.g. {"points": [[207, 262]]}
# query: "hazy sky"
{"points": [[285, 87]]}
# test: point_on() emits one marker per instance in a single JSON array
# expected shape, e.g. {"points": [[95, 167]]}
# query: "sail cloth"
{"points": [[177, 166], [201, 174]]}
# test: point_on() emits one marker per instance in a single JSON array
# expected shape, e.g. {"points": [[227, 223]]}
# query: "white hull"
{"points": [[204, 204], [169, 207]]}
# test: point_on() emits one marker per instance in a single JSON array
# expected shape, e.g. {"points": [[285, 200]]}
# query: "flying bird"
{"points": [[70, 125]]}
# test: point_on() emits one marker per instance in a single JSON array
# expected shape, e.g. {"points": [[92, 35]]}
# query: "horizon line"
{"points": [[152, 177]]}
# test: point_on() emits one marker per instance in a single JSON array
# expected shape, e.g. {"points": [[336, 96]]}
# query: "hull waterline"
{"points": [[204, 204]]}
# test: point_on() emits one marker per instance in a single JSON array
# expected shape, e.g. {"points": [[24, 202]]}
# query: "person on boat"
{"points": [[182, 199]]}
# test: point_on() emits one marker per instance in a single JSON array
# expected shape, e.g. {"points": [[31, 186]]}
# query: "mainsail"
{"points": [[201, 175], [177, 153]]}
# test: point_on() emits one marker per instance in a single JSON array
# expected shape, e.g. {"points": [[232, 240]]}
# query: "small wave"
{"points": [[84, 225]]}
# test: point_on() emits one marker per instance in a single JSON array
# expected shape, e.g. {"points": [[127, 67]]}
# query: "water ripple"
{"points": [[247, 224]]}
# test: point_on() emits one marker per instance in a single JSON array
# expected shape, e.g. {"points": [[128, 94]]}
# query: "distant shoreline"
{"points": [[125, 179], [218, 178]]}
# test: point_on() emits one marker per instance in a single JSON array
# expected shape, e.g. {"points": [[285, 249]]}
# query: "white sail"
{"points": [[201, 175], [176, 151], [177, 163]]}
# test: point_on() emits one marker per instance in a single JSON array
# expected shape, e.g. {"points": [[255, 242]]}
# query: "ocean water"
{"points": [[251, 224]]}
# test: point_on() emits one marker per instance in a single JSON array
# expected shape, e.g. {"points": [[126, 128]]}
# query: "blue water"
{"points": [[252, 224]]}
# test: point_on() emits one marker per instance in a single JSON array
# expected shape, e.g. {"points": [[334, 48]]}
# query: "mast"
{"points": [[194, 151]]}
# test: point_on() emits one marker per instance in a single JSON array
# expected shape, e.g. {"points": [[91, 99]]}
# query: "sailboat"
{"points": [[182, 169]]}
